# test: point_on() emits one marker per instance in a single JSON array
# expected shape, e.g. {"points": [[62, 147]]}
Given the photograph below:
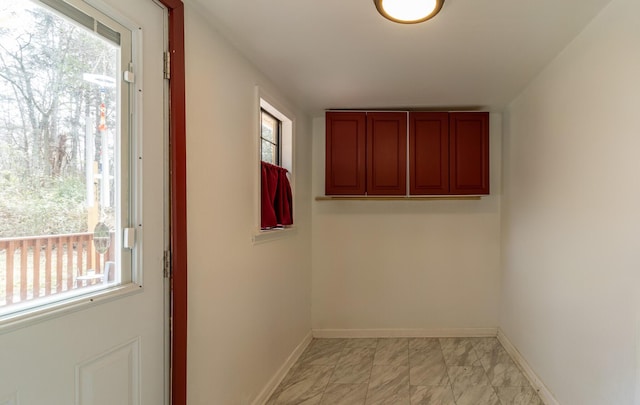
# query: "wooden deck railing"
{"points": [[39, 266]]}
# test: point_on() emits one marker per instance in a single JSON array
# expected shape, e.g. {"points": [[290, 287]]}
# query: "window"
{"points": [[64, 153], [270, 128], [276, 185]]}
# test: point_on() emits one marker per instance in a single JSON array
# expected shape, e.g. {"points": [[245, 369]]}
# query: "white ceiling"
{"points": [[343, 54]]}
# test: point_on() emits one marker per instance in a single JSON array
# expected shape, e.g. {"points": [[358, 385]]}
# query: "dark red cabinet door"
{"points": [[345, 153], [429, 153], [469, 152], [366, 153], [386, 153]]}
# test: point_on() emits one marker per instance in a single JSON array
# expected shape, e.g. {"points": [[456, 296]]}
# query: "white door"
{"points": [[108, 346]]}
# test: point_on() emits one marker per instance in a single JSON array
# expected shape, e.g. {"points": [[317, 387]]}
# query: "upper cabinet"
{"points": [[367, 153], [469, 153], [386, 153], [449, 153], [429, 153], [345, 155]]}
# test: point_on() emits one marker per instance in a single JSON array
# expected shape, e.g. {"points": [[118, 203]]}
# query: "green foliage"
{"points": [[42, 206]]}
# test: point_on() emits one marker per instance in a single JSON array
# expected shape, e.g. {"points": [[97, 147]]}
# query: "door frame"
{"points": [[178, 201]]}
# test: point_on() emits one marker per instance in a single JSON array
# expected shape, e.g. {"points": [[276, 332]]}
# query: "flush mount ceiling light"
{"points": [[408, 11]]}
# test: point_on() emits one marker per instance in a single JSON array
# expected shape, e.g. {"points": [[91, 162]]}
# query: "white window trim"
{"points": [[133, 282], [287, 160]]}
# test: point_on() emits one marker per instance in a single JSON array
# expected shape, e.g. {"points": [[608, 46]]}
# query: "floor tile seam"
{"points": [[486, 371], [519, 367], [427, 363], [444, 361], [442, 353], [390, 363], [495, 392], [281, 389], [441, 348], [409, 366], [335, 367], [360, 358], [513, 386], [490, 385], [475, 353], [417, 387], [495, 386], [304, 358], [511, 362], [295, 369], [493, 389], [393, 366], [366, 397], [324, 389], [408, 371], [453, 394]]}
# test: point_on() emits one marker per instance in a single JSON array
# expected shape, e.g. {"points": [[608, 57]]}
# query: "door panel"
{"points": [[113, 350]]}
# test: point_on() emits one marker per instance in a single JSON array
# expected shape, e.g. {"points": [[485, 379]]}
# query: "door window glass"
{"points": [[63, 153]]}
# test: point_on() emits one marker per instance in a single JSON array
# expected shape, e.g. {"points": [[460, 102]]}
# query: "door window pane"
{"points": [[60, 120]]}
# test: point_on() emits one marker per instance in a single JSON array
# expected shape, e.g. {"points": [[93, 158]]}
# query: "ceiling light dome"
{"points": [[408, 11]]}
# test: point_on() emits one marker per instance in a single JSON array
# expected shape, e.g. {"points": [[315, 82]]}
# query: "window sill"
{"points": [[273, 234]]}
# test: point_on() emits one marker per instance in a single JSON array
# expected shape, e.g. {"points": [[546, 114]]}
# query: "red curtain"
{"points": [[276, 201]]}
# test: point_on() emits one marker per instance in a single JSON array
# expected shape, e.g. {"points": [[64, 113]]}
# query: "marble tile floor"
{"points": [[405, 371]]}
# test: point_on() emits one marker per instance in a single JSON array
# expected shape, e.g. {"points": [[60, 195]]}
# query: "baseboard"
{"points": [[383, 333], [271, 386], [544, 393]]}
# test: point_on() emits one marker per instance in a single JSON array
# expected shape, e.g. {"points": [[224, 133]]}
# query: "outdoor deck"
{"points": [[40, 266]]}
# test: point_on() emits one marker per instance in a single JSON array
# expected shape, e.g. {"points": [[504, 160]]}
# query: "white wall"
{"points": [[249, 305], [405, 264], [571, 214]]}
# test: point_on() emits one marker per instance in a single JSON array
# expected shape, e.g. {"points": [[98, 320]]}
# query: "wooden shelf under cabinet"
{"points": [[401, 198]]}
